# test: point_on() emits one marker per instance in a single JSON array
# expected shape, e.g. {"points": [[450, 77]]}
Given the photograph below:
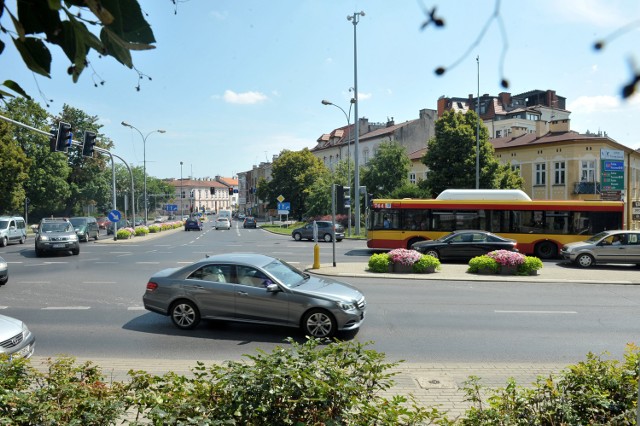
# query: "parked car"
{"points": [[103, 222], [249, 222], [13, 229], [325, 231], [15, 338], [222, 223], [85, 227], [254, 288], [122, 223], [464, 245], [605, 247], [56, 234], [192, 224], [4, 271]]}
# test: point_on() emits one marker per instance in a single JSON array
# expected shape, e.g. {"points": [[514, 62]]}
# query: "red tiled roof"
{"points": [[531, 139]]}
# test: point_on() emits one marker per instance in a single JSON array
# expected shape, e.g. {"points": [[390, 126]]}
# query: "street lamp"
{"points": [[181, 192], [144, 166], [348, 117], [355, 18]]}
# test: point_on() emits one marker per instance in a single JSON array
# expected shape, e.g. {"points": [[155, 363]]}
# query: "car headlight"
{"points": [[43, 238], [73, 238], [346, 306]]}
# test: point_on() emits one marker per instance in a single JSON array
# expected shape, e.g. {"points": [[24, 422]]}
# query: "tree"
{"points": [[387, 170], [38, 23], [292, 176], [14, 165], [319, 201], [451, 157]]}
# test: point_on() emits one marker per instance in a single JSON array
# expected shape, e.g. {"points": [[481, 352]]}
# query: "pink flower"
{"points": [[507, 258], [404, 256]]}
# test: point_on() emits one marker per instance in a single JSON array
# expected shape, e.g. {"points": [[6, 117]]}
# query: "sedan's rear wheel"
{"points": [[185, 315], [4, 242], [327, 238], [585, 260], [297, 236], [432, 252], [319, 323]]}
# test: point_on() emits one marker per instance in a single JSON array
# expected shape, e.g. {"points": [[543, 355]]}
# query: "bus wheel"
{"points": [[546, 250], [413, 241]]}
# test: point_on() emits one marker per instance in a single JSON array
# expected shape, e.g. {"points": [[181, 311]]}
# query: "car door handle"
{"points": [[199, 287], [242, 293]]}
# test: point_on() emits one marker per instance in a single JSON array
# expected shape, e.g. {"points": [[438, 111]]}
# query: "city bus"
{"points": [[541, 227]]}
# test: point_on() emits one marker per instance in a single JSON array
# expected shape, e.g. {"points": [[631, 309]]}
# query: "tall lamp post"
{"points": [[478, 129], [181, 192], [144, 166], [348, 117], [355, 18]]}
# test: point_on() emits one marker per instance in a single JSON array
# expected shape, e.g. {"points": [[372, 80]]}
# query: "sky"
{"points": [[235, 82]]}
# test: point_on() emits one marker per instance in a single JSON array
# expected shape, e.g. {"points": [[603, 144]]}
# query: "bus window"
{"points": [[557, 222], [467, 220], [415, 220], [385, 219], [443, 220]]}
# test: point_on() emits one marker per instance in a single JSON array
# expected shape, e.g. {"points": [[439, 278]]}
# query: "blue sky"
{"points": [[234, 82]]}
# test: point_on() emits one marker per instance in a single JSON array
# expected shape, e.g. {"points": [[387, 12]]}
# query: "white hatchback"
{"points": [[222, 223]]}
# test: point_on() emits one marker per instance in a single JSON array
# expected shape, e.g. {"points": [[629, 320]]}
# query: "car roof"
{"points": [[256, 259]]}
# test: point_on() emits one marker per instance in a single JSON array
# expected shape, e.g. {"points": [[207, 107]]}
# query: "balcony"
{"points": [[586, 188]]}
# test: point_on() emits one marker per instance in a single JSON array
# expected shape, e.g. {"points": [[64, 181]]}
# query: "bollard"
{"points": [[316, 257]]}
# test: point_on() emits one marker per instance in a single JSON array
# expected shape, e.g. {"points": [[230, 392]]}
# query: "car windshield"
{"points": [[77, 222], [597, 237], [285, 273], [55, 227]]}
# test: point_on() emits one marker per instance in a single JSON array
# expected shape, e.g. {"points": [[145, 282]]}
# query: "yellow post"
{"points": [[316, 257]]}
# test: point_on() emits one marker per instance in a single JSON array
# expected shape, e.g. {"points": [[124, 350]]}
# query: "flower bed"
{"points": [[403, 261], [504, 262]]}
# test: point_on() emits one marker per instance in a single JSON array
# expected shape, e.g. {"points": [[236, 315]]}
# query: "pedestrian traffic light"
{"points": [[89, 143], [230, 191], [64, 137]]}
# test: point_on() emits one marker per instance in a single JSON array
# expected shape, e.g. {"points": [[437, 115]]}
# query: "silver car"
{"points": [[605, 247], [15, 338], [254, 288], [4, 271]]}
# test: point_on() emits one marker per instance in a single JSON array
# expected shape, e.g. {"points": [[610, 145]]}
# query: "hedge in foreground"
{"points": [[310, 383]]}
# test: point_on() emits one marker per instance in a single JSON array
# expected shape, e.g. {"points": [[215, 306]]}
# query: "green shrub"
{"points": [[141, 231], [425, 263], [154, 228], [379, 262], [123, 234], [531, 263], [483, 262]]}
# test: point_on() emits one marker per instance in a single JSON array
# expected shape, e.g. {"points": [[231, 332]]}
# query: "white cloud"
{"points": [[364, 96], [600, 13], [590, 104], [246, 98]]}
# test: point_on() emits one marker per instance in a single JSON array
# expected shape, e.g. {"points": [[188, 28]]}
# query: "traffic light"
{"points": [[89, 143], [339, 199], [347, 197], [53, 140], [230, 191], [64, 137]]}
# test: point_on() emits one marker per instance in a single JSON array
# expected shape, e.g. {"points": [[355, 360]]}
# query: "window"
{"points": [[588, 170], [252, 277], [559, 173], [412, 177], [498, 133], [366, 156], [541, 174], [516, 168]]}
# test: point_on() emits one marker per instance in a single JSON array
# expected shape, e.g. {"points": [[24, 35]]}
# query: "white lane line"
{"points": [[107, 263], [135, 308], [535, 312], [34, 282], [3, 307], [66, 308], [99, 282]]}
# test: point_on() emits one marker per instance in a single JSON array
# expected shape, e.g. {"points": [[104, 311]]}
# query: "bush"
{"points": [[379, 262], [123, 234], [404, 256], [154, 228], [483, 262], [426, 263], [141, 231], [507, 258], [530, 264]]}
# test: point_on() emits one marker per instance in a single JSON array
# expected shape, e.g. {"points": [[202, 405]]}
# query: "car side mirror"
{"points": [[273, 288]]}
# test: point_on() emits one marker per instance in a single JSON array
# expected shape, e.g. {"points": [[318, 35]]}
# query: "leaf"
{"points": [[16, 88], [39, 17], [35, 55], [129, 23], [114, 46]]}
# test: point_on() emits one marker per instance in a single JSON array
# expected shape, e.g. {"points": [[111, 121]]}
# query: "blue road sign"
{"points": [[114, 216], [171, 207]]}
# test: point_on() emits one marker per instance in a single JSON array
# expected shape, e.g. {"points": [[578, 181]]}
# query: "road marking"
{"points": [[135, 308], [34, 282], [535, 312], [99, 282], [3, 307], [107, 263], [66, 308]]}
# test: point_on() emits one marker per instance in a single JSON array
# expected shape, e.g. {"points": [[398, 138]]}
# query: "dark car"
{"points": [[464, 245], [122, 223], [102, 222], [254, 288], [249, 222], [325, 231], [86, 228], [192, 224]]}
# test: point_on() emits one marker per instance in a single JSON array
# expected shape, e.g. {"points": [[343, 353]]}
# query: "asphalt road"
{"points": [[90, 306]]}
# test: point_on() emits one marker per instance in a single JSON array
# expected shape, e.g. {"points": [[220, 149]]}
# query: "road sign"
{"points": [[280, 198], [114, 216], [284, 208], [171, 207]]}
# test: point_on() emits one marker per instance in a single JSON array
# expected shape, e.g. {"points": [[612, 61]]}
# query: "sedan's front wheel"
{"points": [[585, 260], [433, 253], [327, 238], [185, 315], [297, 236], [319, 323]]}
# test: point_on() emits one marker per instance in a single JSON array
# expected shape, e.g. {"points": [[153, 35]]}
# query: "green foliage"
{"points": [[123, 234], [154, 228], [531, 264], [426, 263], [481, 263], [409, 190], [121, 25], [141, 231], [379, 262], [387, 170], [451, 156], [14, 165]]}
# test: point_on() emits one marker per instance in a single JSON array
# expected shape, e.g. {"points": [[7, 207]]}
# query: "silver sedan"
{"points": [[254, 288], [606, 247], [15, 338]]}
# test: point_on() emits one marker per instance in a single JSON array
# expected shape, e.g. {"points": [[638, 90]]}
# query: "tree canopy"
{"points": [[387, 170], [451, 157]]}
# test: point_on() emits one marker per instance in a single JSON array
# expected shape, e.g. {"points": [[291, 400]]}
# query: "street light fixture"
{"points": [[144, 166], [348, 117], [355, 18]]}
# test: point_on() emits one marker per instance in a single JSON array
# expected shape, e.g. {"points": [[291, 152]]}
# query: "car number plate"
{"points": [[58, 246]]}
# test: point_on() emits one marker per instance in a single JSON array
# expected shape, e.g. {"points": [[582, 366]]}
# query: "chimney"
{"points": [[442, 105], [517, 131], [505, 99], [542, 128], [559, 126]]}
